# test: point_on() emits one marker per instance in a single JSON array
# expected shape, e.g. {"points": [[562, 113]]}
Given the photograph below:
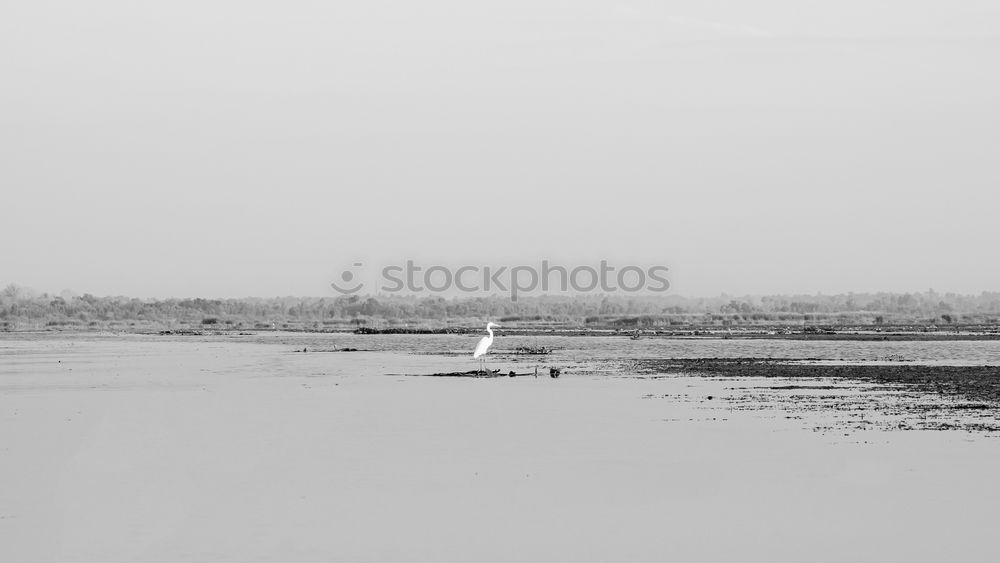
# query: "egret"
{"points": [[484, 345]]}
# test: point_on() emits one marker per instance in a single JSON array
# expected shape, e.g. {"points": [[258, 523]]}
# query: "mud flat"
{"points": [[854, 396], [980, 383]]}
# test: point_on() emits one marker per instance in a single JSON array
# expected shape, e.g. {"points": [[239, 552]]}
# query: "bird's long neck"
{"points": [[490, 330]]}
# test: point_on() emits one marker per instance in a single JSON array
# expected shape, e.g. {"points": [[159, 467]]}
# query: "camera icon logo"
{"points": [[347, 277]]}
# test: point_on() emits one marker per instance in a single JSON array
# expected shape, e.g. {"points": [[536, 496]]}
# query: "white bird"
{"points": [[484, 345]]}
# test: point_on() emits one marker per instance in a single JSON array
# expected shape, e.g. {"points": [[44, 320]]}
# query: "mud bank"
{"points": [[977, 383]]}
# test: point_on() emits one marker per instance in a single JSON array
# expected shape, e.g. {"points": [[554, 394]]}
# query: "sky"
{"points": [[229, 149]]}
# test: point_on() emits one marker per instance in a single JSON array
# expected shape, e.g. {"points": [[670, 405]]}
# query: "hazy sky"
{"points": [[257, 148]]}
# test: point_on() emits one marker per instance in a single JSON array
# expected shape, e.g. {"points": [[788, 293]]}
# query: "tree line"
{"points": [[21, 307]]}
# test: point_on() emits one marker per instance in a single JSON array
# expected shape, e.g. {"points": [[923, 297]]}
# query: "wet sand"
{"points": [[138, 449]]}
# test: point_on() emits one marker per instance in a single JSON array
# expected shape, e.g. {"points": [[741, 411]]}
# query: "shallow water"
{"points": [[602, 348], [585, 348], [228, 448]]}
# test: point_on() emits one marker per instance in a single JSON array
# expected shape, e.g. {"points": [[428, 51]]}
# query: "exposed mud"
{"points": [[849, 397]]}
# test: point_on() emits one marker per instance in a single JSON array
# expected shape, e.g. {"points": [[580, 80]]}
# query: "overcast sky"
{"points": [[245, 148]]}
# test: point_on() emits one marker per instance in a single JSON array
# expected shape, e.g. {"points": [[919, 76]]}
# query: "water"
{"points": [[604, 354], [611, 348], [168, 448]]}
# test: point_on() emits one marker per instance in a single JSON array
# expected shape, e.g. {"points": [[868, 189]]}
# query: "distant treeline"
{"points": [[22, 309]]}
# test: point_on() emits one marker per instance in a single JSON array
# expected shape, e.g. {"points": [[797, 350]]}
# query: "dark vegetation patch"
{"points": [[977, 383]]}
